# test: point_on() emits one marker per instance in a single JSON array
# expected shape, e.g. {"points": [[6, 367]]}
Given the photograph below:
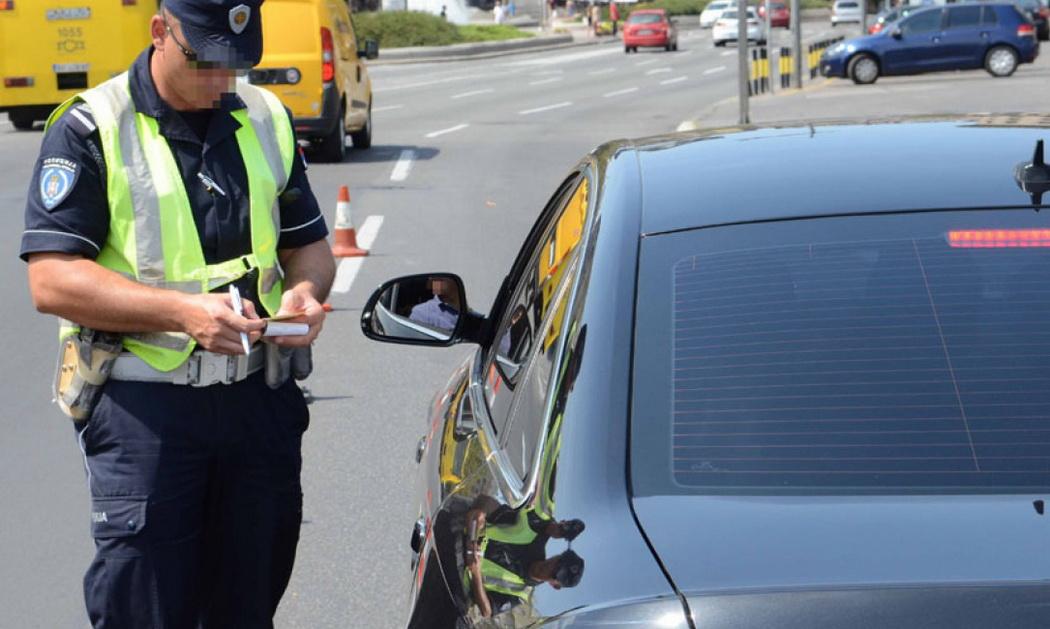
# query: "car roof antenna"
{"points": [[1034, 177]]}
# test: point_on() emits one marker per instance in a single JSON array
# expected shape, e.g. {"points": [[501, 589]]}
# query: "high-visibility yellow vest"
{"points": [[152, 234], [496, 578]]}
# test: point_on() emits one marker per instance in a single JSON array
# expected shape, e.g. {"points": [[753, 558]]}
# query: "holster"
{"points": [[85, 360], [285, 362]]}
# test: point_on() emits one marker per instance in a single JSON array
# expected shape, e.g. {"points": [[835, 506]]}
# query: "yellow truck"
{"points": [[52, 49]]}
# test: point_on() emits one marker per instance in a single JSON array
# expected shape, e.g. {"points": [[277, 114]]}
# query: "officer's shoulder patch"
{"points": [[58, 175]]}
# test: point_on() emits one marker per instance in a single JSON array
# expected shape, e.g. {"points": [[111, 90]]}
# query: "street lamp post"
{"points": [[796, 43]]}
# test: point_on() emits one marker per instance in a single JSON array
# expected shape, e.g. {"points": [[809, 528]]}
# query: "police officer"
{"points": [[153, 193]]}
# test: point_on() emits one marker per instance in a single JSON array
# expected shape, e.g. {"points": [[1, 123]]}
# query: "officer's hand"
{"points": [[211, 321], [300, 300]]}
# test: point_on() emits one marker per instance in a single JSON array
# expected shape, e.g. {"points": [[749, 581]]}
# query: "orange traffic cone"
{"points": [[345, 244]]}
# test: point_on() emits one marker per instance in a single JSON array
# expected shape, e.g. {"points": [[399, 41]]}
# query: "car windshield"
{"points": [[717, 5], [732, 14], [645, 18], [881, 354], [846, 5]]}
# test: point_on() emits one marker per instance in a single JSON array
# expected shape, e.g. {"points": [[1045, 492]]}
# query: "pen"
{"points": [[235, 297]]}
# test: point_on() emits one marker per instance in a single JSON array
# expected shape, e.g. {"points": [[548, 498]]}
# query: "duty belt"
{"points": [[201, 369]]}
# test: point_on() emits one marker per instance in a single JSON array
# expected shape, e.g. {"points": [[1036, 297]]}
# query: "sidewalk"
{"points": [[963, 92]]}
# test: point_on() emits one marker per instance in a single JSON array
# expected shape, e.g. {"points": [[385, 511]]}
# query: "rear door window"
{"points": [[964, 16], [886, 354], [989, 16]]}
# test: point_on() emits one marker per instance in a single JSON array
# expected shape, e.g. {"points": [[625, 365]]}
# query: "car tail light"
{"points": [[129, 3], [18, 81], [327, 55], [999, 238], [1026, 30]]}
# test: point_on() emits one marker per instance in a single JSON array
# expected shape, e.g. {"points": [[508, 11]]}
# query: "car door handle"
{"points": [[936, 40], [984, 35]]}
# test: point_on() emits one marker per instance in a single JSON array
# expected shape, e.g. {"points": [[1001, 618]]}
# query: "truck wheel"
{"points": [[1001, 61], [21, 120], [333, 146], [363, 139]]}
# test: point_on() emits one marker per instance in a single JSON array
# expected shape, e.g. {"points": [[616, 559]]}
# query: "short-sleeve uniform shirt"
{"points": [[67, 209]]}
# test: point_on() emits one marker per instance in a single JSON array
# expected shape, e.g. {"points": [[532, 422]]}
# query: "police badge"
{"points": [[57, 178], [239, 16]]}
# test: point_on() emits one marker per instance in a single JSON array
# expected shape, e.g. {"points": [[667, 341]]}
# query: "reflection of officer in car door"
{"points": [[442, 309], [155, 192], [510, 558]]}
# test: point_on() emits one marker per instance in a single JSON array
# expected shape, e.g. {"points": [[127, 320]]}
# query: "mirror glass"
{"points": [[419, 308]]}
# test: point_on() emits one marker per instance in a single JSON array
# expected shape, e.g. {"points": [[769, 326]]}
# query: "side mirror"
{"points": [[370, 51], [429, 309], [896, 33]]}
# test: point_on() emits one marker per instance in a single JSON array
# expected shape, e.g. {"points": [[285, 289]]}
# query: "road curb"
{"points": [[480, 50]]}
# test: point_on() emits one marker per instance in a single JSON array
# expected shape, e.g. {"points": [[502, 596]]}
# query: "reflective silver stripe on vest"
{"points": [[270, 277], [149, 246], [261, 118], [176, 341], [518, 589]]}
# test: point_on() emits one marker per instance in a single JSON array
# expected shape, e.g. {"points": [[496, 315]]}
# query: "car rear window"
{"points": [[645, 18], [896, 354]]}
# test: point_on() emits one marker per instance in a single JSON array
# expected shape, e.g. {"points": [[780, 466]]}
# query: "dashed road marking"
{"points": [[537, 110], [459, 127], [600, 72], [729, 52], [620, 92], [546, 81], [349, 267], [376, 110], [474, 93], [658, 71], [403, 165], [677, 79], [714, 70], [647, 63]]}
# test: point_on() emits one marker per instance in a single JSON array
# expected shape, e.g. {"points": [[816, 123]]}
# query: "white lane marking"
{"points": [[729, 52], [408, 86], [376, 110], [546, 81], [658, 71], [458, 127], [647, 63], [677, 79], [684, 53], [537, 110], [569, 58], [348, 267], [620, 92], [403, 165], [600, 72], [714, 70], [474, 93]]}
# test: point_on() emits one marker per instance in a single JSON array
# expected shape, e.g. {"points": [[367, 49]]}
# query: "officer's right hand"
{"points": [[211, 321]]}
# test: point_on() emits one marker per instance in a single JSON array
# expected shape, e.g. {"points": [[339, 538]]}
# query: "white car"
{"points": [[846, 11], [726, 27], [713, 11]]}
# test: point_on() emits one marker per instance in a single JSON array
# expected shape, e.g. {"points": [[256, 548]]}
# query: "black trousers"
{"points": [[195, 503]]}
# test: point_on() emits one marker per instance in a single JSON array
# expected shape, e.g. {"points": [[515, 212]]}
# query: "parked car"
{"points": [[649, 28], [780, 14], [318, 71], [713, 11], [997, 37], [698, 402], [888, 17], [846, 11], [726, 28]]}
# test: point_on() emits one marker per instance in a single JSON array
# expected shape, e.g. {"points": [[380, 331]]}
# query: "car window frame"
{"points": [[959, 8], [914, 16], [514, 488]]}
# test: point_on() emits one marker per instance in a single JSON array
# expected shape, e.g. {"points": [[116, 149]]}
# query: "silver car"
{"points": [[846, 11]]}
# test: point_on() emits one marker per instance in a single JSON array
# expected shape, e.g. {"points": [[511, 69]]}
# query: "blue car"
{"points": [[994, 36]]}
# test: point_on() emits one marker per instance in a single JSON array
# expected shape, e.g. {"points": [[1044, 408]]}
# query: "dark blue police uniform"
{"points": [[196, 497]]}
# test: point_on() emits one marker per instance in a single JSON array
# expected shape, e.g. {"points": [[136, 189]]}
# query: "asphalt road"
{"points": [[465, 156]]}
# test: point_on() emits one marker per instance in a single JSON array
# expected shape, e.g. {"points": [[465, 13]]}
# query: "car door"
{"points": [[964, 38], [480, 467], [919, 47], [349, 63]]}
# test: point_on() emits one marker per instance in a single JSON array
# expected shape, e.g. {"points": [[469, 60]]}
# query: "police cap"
{"points": [[224, 32], [570, 569]]}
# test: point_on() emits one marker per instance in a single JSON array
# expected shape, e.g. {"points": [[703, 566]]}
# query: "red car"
{"points": [[780, 14], [649, 28]]}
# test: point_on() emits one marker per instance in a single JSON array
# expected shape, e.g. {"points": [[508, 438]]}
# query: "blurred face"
{"points": [[441, 287], [181, 80]]}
